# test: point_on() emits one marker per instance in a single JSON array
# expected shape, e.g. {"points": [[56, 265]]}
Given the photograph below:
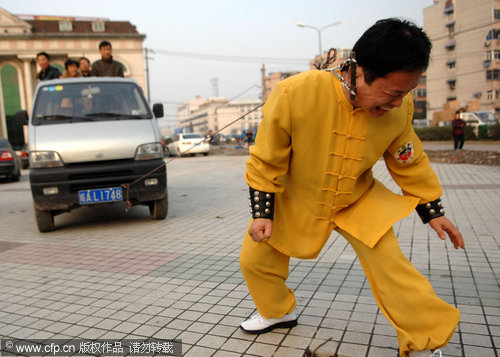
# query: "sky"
{"points": [[197, 41]]}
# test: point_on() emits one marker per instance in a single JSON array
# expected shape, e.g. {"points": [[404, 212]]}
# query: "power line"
{"points": [[229, 58]]}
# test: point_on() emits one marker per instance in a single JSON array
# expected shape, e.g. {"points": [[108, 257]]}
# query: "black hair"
{"points": [[43, 54], [70, 62], [84, 58], [104, 43], [392, 45]]}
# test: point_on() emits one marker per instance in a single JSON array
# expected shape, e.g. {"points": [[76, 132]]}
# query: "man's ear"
{"points": [[359, 73]]}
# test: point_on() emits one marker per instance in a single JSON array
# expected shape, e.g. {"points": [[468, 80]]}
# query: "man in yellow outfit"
{"points": [[310, 172]]}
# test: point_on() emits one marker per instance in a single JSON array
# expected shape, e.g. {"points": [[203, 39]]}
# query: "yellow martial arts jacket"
{"points": [[316, 152]]}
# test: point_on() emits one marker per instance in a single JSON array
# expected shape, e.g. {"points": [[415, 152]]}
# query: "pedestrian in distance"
{"points": [[106, 66], [458, 131], [47, 72], [310, 172]]}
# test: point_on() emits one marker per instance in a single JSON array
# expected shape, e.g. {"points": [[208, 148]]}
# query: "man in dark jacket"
{"points": [[47, 71], [106, 66], [458, 131]]}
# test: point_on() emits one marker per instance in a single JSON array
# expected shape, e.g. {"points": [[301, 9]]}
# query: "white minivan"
{"points": [[94, 141], [479, 118]]}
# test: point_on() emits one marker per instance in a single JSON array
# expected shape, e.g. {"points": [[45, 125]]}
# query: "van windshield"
{"points": [[487, 117], [77, 102]]}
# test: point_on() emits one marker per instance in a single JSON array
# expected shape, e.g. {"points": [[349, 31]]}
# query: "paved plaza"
{"points": [[107, 274]]}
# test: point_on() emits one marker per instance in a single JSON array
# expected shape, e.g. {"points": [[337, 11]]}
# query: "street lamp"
{"points": [[301, 24]]}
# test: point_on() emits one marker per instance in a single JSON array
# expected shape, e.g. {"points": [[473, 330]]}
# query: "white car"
{"points": [[188, 144], [479, 118]]}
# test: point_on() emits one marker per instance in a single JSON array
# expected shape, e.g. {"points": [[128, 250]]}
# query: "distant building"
{"points": [[420, 98], [271, 80], [203, 115], [23, 36], [465, 62]]}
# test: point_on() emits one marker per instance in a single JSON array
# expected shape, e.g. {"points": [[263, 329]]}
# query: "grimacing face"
{"points": [[383, 94]]}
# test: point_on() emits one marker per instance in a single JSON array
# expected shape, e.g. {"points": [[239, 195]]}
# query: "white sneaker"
{"points": [[257, 324], [426, 353]]}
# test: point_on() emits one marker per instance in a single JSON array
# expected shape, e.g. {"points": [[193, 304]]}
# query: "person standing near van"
{"points": [[458, 131], [106, 66]]}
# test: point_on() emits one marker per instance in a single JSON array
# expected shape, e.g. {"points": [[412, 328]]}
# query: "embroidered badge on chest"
{"points": [[405, 153]]}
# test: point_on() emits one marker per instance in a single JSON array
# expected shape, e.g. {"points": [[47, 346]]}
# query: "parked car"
{"points": [[480, 118], [164, 142], [25, 158], [10, 164], [94, 141], [188, 144]]}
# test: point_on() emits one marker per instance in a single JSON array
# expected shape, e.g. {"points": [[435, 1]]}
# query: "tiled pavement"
{"points": [[107, 274]]}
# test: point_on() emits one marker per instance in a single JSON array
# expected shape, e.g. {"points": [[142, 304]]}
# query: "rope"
{"points": [[126, 186], [330, 58]]}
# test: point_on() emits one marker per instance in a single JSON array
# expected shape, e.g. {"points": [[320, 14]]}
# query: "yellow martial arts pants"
{"points": [[422, 320]]}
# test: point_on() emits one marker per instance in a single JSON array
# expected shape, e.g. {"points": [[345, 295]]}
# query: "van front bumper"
{"points": [[70, 179]]}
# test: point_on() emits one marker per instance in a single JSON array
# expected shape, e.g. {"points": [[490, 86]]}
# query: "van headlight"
{"points": [[149, 152], [45, 159]]}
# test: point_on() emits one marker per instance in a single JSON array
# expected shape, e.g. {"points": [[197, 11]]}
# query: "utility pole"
{"points": [[263, 71], [215, 87], [147, 74]]}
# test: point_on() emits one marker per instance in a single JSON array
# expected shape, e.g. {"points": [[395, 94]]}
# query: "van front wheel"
{"points": [[44, 220], [159, 208]]}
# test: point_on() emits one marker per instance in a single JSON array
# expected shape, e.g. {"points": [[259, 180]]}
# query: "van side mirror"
{"points": [[22, 117], [158, 110]]}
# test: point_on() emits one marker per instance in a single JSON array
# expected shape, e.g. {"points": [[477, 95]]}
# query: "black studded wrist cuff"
{"points": [[430, 210], [262, 204]]}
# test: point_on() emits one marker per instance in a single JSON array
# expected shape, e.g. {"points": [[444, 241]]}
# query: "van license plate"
{"points": [[100, 195]]}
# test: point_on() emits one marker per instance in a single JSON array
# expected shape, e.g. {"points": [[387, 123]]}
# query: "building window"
{"points": [[492, 74], [448, 7], [451, 64], [65, 26], [11, 103], [451, 98], [452, 83], [451, 29], [496, 14], [492, 55], [450, 45], [98, 26], [421, 92], [492, 35], [492, 94]]}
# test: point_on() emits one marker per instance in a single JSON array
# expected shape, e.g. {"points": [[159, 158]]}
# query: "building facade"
{"points": [[23, 36], [203, 116], [464, 71]]}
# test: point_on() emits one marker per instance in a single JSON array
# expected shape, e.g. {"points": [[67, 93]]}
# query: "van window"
{"points": [[487, 117], [77, 102]]}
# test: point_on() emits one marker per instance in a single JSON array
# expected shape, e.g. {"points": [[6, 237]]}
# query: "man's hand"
{"points": [[443, 224], [260, 229]]}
